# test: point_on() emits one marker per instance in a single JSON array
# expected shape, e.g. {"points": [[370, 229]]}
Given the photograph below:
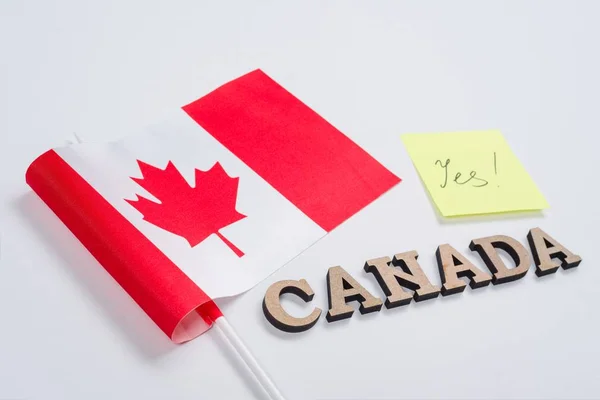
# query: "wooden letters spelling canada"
{"points": [[403, 271]]}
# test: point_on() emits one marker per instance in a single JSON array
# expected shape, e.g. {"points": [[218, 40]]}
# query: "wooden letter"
{"points": [[409, 275], [342, 288], [453, 266], [487, 249], [544, 248], [278, 317]]}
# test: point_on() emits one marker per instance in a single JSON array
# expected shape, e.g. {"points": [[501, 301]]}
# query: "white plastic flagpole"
{"points": [[229, 333]]}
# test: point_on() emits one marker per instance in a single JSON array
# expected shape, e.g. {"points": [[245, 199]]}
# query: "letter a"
{"points": [[342, 288], [544, 249], [453, 266]]}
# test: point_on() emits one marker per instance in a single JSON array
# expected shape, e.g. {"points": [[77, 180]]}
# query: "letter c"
{"points": [[278, 317]]}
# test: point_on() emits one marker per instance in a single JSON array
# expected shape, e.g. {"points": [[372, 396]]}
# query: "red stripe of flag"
{"points": [[160, 288], [304, 157]]}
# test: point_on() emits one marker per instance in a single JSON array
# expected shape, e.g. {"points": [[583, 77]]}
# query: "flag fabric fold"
{"points": [[211, 201]]}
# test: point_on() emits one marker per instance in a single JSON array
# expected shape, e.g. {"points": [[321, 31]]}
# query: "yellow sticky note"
{"points": [[475, 172]]}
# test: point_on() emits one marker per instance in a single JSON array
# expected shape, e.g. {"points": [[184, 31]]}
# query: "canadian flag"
{"points": [[211, 201]]}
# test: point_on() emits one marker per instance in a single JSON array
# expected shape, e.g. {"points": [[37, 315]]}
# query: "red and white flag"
{"points": [[212, 201]]}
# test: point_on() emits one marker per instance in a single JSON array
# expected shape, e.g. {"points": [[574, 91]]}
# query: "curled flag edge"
{"points": [[167, 295]]}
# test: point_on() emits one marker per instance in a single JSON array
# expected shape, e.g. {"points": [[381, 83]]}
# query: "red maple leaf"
{"points": [[193, 213]]}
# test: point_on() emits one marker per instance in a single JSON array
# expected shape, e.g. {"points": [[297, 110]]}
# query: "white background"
{"points": [[373, 69]]}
